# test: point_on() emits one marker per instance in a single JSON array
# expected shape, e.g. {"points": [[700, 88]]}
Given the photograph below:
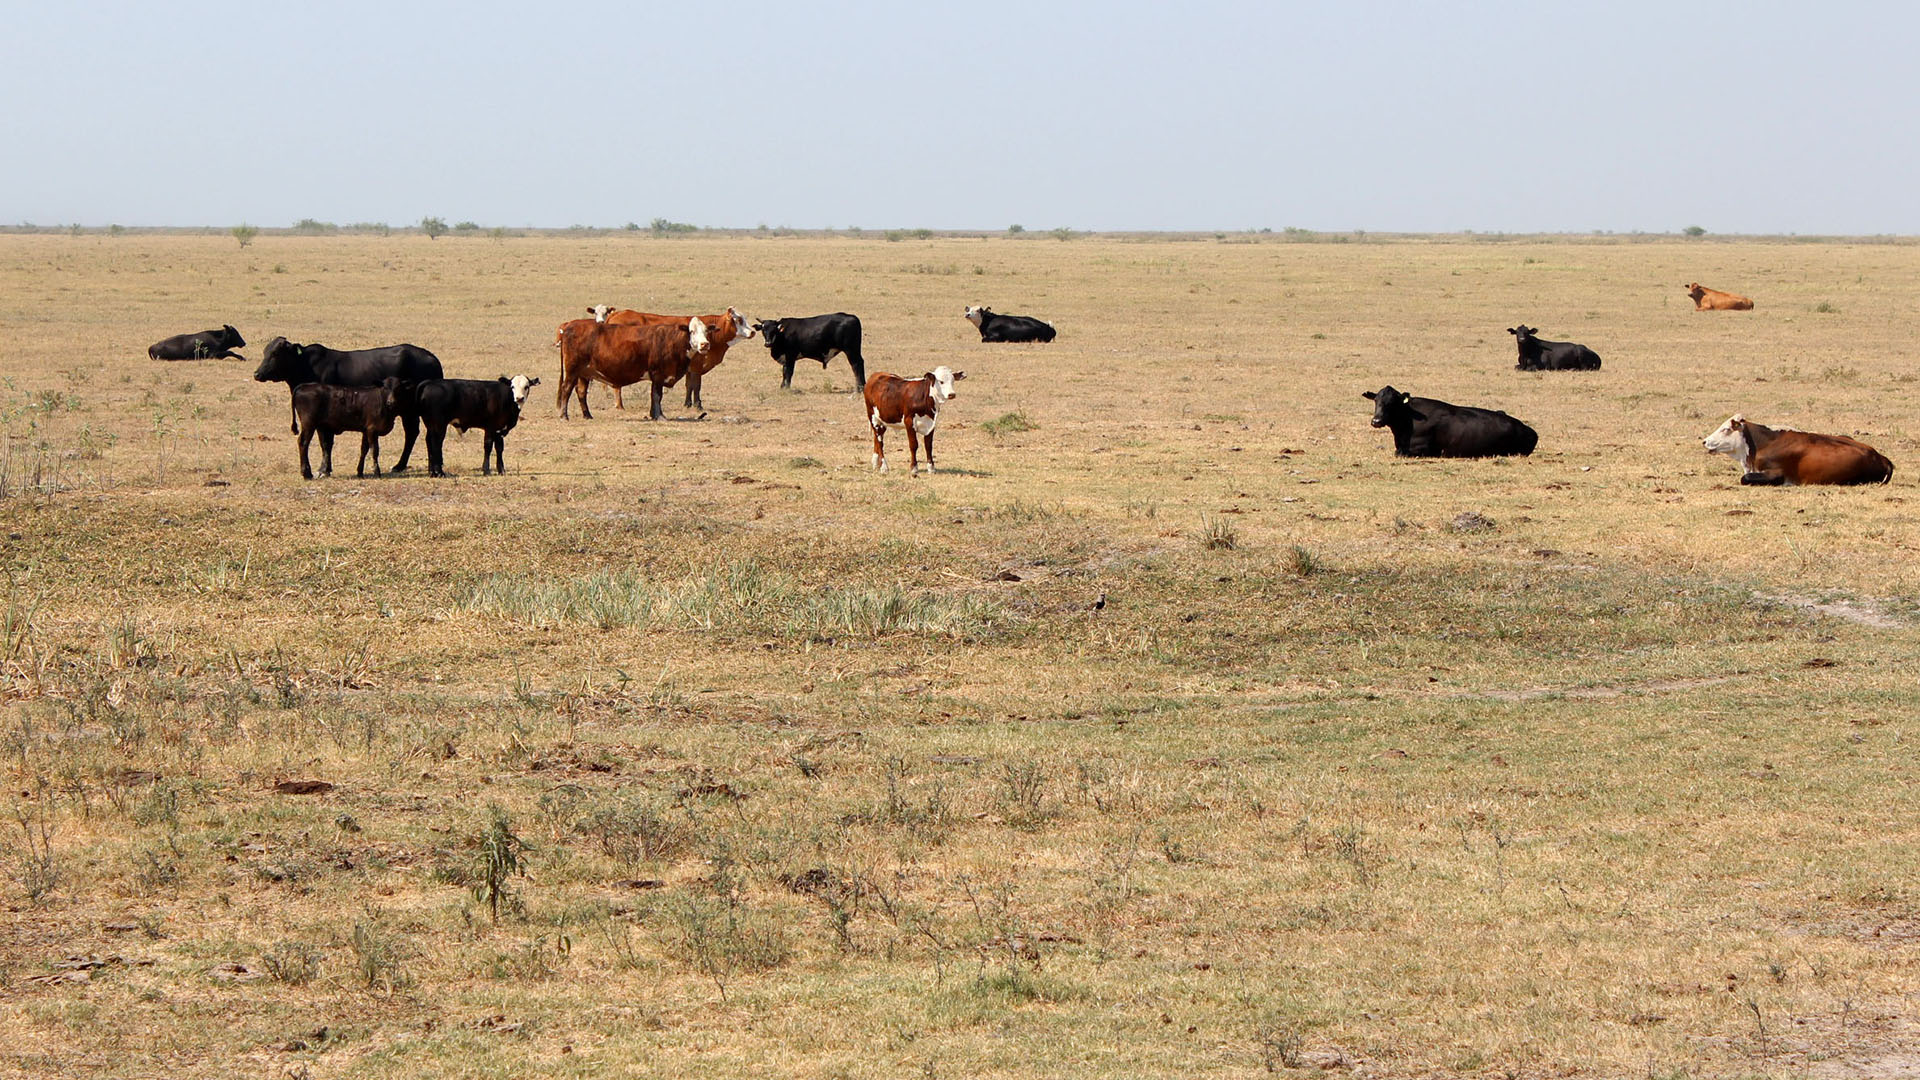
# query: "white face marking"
{"points": [[974, 315], [521, 384], [942, 384], [741, 326], [696, 337], [1727, 439], [599, 312]]}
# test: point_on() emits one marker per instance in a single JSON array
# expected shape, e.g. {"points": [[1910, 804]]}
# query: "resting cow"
{"points": [[994, 327], [1705, 299], [283, 361], [493, 407], [1539, 354], [1424, 427], [815, 337], [332, 410], [722, 329], [1771, 456], [910, 403], [621, 355], [205, 345]]}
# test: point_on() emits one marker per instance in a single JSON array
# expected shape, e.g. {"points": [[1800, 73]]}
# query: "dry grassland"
{"points": [[1174, 729]]}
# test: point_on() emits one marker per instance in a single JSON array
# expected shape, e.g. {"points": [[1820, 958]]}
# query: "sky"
{"points": [[1191, 115]]}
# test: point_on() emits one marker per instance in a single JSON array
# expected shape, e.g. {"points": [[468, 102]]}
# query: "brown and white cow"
{"points": [[1705, 299], [722, 330], [621, 355], [910, 403], [1770, 456]]}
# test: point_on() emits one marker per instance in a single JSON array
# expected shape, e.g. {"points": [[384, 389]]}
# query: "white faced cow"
{"points": [[910, 403]]}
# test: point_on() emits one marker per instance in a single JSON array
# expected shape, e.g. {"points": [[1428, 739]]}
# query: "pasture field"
{"points": [[1175, 728]]}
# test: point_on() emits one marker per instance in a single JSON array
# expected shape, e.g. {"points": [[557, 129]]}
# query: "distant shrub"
{"points": [[1694, 230], [894, 236], [309, 225], [116, 230], [1825, 307], [380, 227], [1008, 424], [244, 233], [498, 232], [466, 226], [1016, 228], [922, 234], [434, 227], [661, 226], [1063, 233]]}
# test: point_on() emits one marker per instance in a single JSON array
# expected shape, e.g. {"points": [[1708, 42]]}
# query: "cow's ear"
{"points": [[958, 375], [535, 381], [504, 381], [1369, 395]]}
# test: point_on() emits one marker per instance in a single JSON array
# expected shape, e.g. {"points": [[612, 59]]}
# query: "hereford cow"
{"points": [[994, 327], [1770, 456], [283, 361], [493, 407], [623, 354], [910, 403], [205, 345], [1539, 354], [1424, 427], [722, 330], [815, 337], [325, 410], [1705, 299]]}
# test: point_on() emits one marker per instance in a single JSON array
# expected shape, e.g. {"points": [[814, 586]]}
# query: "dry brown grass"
{"points": [[1014, 770]]}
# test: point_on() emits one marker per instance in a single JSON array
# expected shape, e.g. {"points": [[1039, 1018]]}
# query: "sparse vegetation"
{"points": [[1694, 230], [1007, 424], [662, 227], [434, 227], [244, 233]]}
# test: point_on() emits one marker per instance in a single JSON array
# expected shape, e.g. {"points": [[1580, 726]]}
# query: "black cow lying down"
{"points": [[815, 337], [205, 345], [1424, 427], [284, 361], [493, 407], [319, 409], [997, 327], [1539, 354]]}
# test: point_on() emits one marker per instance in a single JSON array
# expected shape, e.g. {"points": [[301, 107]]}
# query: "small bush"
{"points": [[1063, 233], [501, 856], [466, 226], [434, 227], [661, 226], [309, 225], [244, 233], [1300, 562], [1694, 230], [1218, 534], [1016, 228], [293, 962], [1825, 307], [381, 957], [1008, 424]]}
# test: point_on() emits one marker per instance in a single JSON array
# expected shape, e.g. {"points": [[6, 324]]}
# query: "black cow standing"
{"points": [[994, 327], [1424, 427], [493, 407], [815, 337], [1539, 354], [283, 361], [205, 345]]}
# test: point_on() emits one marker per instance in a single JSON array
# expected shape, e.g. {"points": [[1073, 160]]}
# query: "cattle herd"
{"points": [[367, 391]]}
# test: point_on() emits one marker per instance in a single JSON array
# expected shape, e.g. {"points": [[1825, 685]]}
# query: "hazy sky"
{"points": [[1766, 117]]}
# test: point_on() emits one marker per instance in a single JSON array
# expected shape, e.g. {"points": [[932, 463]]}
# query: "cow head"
{"points": [[769, 330], [1730, 439], [697, 344], [940, 382], [599, 312], [1390, 405], [283, 361], [396, 395], [1523, 333], [1695, 291], [519, 384], [231, 337], [976, 314], [742, 326]]}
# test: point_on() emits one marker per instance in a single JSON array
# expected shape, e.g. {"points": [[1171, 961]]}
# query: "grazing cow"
{"points": [[493, 407], [623, 354], [815, 337], [722, 329], [326, 410], [1705, 299], [1423, 427], [994, 327], [910, 403], [283, 361], [1539, 354], [1772, 456], [205, 345]]}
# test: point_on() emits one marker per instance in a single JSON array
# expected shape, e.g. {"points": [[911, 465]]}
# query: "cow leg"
{"points": [[619, 400], [326, 453], [369, 444], [306, 470], [927, 438], [436, 444], [412, 424], [1764, 479], [859, 371], [786, 372], [879, 441], [580, 388], [693, 391], [499, 452], [913, 447], [296, 412], [654, 411]]}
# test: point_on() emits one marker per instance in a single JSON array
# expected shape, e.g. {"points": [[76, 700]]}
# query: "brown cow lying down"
{"points": [[1705, 299], [1796, 457]]}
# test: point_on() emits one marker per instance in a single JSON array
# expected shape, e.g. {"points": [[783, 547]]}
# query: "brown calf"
{"points": [[910, 403], [722, 329], [1771, 456], [1705, 299]]}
